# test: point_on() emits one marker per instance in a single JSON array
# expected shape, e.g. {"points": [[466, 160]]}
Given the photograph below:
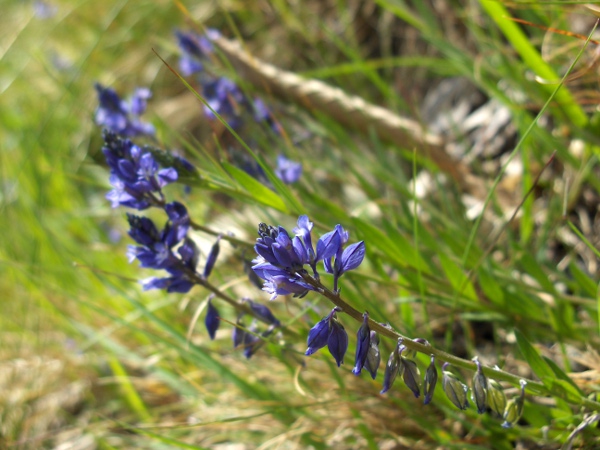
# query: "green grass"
{"points": [[87, 355]]}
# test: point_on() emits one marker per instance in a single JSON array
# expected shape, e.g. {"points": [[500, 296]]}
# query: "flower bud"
{"points": [[373, 355], [411, 376], [363, 338], [212, 258], [238, 332], [337, 343], [455, 390], [496, 399], [212, 321], [514, 408], [393, 367], [429, 382], [479, 389]]}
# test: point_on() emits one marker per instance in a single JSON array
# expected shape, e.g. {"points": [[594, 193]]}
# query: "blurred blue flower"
{"points": [[156, 249], [195, 50], [212, 258], [287, 170], [120, 116], [225, 98], [429, 382], [134, 174]]}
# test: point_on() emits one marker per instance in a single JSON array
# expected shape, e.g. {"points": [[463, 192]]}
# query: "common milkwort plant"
{"points": [[286, 263]]}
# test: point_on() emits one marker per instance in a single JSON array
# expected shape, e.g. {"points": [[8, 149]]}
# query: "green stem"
{"points": [[497, 374]]}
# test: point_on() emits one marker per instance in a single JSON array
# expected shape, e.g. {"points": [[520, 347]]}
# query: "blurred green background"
{"points": [[88, 360]]}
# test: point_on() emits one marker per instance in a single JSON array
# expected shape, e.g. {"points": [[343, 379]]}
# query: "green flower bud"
{"points": [[514, 408], [496, 399], [455, 390], [479, 389]]}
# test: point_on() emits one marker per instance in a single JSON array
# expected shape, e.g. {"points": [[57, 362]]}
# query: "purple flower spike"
{"points": [[287, 170], [337, 343], [211, 320], [363, 344]]}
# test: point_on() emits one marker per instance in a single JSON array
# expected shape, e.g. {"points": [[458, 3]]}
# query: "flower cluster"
{"points": [[225, 98], [156, 249], [137, 181], [123, 116], [281, 259], [135, 176]]}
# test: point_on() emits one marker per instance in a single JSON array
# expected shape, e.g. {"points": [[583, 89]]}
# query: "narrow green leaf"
{"points": [[259, 191], [533, 358], [396, 247], [459, 281]]}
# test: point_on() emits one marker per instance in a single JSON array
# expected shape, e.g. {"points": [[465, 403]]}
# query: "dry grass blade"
{"points": [[351, 111]]}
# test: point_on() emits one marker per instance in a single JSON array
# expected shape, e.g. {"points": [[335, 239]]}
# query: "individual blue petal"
{"points": [[285, 285], [212, 257], [167, 176], [328, 245], [303, 230], [212, 320], [337, 343], [287, 170], [267, 270], [392, 369], [352, 257], [363, 338], [263, 312]]}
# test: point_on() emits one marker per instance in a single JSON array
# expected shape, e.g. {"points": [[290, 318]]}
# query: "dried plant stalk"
{"points": [[351, 111]]}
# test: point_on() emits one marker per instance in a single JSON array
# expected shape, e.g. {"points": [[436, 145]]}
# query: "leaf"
{"points": [[533, 358], [457, 277], [259, 191], [398, 249]]}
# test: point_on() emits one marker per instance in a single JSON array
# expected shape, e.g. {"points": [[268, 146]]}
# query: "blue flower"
{"points": [[225, 98], [328, 331], [135, 176], [287, 170], [363, 344], [120, 116], [156, 249], [195, 50], [337, 260], [280, 259]]}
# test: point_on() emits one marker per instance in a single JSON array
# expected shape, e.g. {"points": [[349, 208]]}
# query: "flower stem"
{"points": [[497, 374]]}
